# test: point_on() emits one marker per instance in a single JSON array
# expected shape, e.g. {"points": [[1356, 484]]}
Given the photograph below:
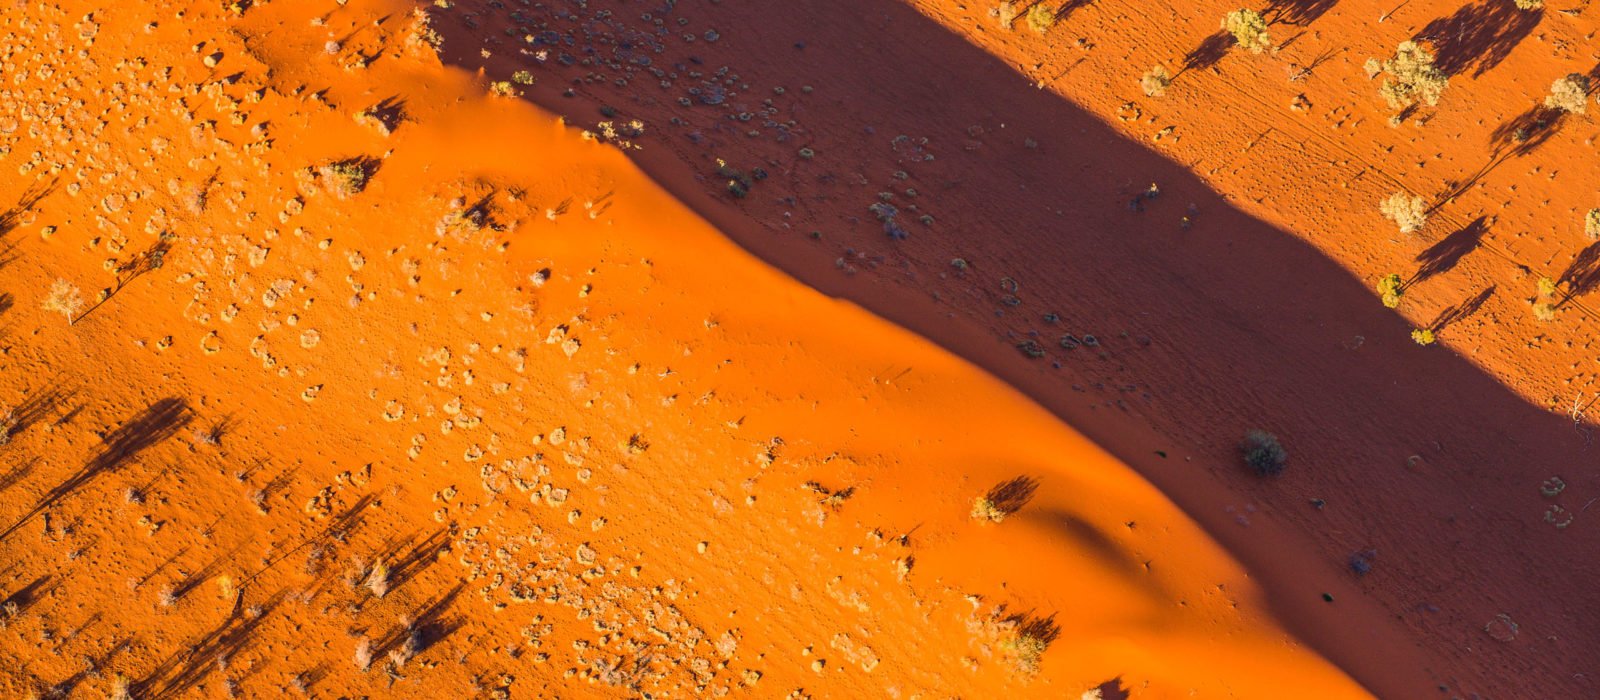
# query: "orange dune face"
{"points": [[380, 384]]}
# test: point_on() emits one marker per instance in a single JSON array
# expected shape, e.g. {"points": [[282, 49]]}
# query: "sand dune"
{"points": [[334, 370]]}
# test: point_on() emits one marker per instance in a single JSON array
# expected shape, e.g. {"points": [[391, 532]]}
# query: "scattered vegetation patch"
{"points": [[1263, 454], [1413, 79], [1591, 224], [346, 178], [1408, 212], [1390, 289], [1544, 300], [64, 299], [1041, 17], [1155, 81], [1422, 336], [1004, 499], [1249, 30], [1569, 94]]}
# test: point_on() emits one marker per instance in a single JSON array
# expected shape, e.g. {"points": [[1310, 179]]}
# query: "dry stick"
{"points": [[1385, 16]]}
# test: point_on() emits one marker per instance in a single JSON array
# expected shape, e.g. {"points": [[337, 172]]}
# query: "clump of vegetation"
{"points": [[1024, 649], [1413, 78], [345, 178], [1391, 288], [1155, 81], [1591, 224], [378, 579], [522, 77], [1530, 4], [364, 654], [1569, 94], [1544, 301], [1006, 14], [1408, 212], [1249, 30], [1263, 454], [64, 299], [1422, 336], [422, 34], [985, 509], [1041, 17]]}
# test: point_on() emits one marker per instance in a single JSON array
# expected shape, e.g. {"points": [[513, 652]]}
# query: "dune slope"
{"points": [[330, 372], [998, 191]]}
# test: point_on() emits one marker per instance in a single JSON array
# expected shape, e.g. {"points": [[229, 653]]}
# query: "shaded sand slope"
{"points": [[376, 384], [1424, 465]]}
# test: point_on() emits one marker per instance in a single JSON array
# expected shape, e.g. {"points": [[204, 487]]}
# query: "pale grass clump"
{"points": [[1410, 213], [1006, 13], [1529, 4], [378, 579], [1569, 94], [65, 299], [1249, 30], [1155, 81], [1041, 17], [1544, 302], [985, 509], [364, 654], [1591, 224], [1413, 77]]}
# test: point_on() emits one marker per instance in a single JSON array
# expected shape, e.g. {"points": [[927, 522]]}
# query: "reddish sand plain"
{"points": [[1020, 168], [381, 382]]}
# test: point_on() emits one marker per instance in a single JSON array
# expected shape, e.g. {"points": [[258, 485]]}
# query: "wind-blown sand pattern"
{"points": [[377, 383]]}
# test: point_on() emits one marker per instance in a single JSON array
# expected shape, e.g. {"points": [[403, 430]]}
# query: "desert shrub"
{"points": [[1544, 301], [1422, 336], [1413, 78], [1529, 4], [1262, 453], [1249, 30], [344, 178], [1391, 288], [64, 299], [1041, 17], [1006, 14], [985, 509], [1408, 212], [1569, 94], [1155, 81], [1591, 224]]}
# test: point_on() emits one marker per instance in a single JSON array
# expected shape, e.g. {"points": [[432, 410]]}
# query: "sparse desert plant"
{"points": [[1249, 29], [167, 597], [1390, 289], [1413, 79], [1529, 4], [1155, 81], [121, 688], [363, 657], [227, 588], [1422, 336], [985, 509], [1025, 650], [378, 579], [8, 423], [1006, 14], [422, 34], [1408, 212], [1544, 301], [1041, 17], [1569, 94], [1263, 454], [345, 178], [1591, 224], [64, 299]]}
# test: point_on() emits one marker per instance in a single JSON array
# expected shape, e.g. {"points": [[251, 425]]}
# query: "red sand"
{"points": [[400, 389], [1260, 314]]}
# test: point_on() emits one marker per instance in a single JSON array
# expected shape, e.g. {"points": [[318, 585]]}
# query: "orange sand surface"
{"points": [[383, 385]]}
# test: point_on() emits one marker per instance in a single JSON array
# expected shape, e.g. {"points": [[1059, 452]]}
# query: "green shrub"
{"points": [[1263, 454]]}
